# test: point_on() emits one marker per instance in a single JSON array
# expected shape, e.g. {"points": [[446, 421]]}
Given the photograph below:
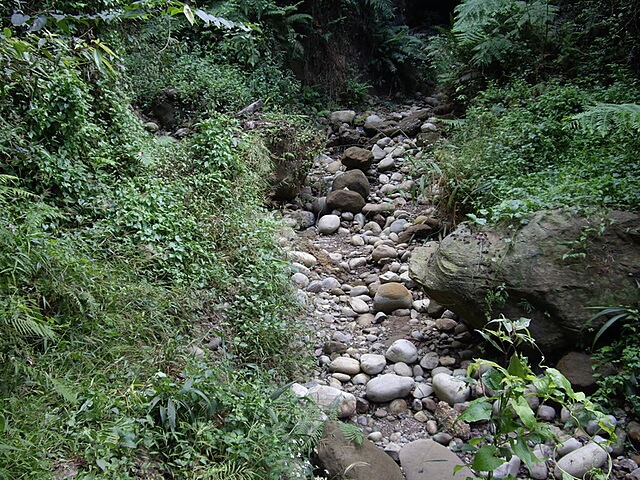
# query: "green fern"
{"points": [[226, 471], [8, 193], [493, 29], [352, 433], [382, 8], [602, 118], [18, 317]]}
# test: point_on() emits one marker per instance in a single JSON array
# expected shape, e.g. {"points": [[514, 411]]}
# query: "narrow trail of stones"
{"points": [[388, 358]]}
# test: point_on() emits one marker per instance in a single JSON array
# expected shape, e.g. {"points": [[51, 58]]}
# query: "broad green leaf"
{"points": [[518, 367], [560, 380], [479, 409], [523, 410], [6, 32], [492, 378], [486, 459], [522, 450]]}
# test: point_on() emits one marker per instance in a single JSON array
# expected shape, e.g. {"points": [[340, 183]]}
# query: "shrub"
{"points": [[517, 152], [620, 358], [514, 427]]}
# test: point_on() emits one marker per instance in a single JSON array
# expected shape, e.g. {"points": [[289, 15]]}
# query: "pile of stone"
{"points": [[390, 360]]}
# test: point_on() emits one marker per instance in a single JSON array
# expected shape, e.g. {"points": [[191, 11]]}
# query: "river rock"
{"points": [[359, 306], [354, 180], [543, 263], [388, 387], [508, 469], [338, 455], [357, 158], [304, 258], [300, 280], [342, 116], [347, 365], [426, 459], [578, 368], [372, 363], [450, 389], [329, 224], [402, 351], [345, 201], [580, 461], [392, 296], [383, 252], [328, 397]]}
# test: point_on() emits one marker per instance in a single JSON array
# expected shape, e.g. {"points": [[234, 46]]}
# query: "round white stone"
{"points": [[329, 224], [402, 351]]}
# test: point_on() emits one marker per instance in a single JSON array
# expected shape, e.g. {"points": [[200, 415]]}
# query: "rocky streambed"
{"points": [[390, 360]]}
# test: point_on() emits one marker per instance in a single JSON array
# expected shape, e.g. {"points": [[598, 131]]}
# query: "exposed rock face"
{"points": [[551, 269], [365, 462]]}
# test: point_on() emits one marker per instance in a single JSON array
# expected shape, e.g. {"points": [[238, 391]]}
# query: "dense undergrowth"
{"points": [[523, 148], [122, 255]]}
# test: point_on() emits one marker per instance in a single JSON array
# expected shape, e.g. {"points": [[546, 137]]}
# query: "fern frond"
{"points": [[227, 471], [383, 8], [29, 327], [472, 16], [17, 317], [352, 433], [8, 193], [602, 118]]}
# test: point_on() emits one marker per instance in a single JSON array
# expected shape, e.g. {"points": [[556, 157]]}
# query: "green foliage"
{"points": [[619, 358], [514, 426], [517, 152], [54, 136], [501, 30], [211, 418], [352, 433], [291, 142], [599, 39], [603, 118], [492, 39], [183, 82], [119, 252], [398, 58]]}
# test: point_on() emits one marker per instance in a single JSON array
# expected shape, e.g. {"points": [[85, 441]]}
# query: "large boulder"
{"points": [[353, 180], [345, 201], [344, 459], [357, 158], [550, 270], [426, 459]]}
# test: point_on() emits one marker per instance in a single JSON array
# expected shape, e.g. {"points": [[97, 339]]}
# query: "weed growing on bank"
{"points": [[522, 148], [121, 256]]}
